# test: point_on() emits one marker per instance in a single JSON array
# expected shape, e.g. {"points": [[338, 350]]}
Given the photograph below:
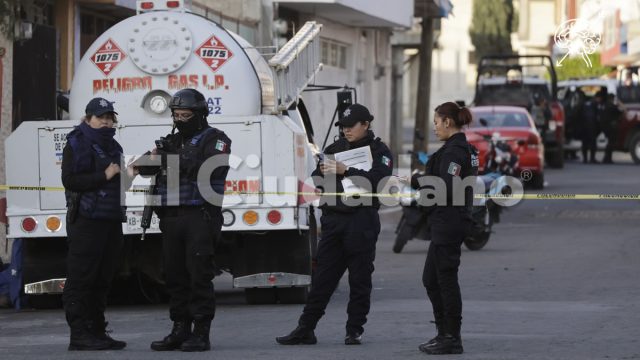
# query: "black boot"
{"points": [[99, 330], [301, 335], [449, 343], [353, 338], [82, 339], [180, 332], [199, 339], [440, 333]]}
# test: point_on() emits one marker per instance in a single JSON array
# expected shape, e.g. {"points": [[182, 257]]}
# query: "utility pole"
{"points": [[421, 134]]}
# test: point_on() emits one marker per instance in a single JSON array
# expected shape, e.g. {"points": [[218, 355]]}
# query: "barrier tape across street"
{"points": [[396, 195]]}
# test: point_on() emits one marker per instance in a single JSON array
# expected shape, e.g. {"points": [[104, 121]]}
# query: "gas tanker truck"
{"points": [[269, 230]]}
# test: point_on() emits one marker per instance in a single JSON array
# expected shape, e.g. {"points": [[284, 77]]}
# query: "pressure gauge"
{"points": [[158, 104]]}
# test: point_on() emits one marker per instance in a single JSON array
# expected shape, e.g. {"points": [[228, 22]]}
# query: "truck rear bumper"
{"points": [[51, 286], [275, 279]]}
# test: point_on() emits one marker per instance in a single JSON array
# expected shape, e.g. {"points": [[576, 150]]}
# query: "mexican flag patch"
{"points": [[454, 169], [221, 146], [386, 161]]}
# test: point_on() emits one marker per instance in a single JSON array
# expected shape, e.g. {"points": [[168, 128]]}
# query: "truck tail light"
{"points": [[53, 223], [29, 224], [173, 4], [146, 5], [557, 112], [250, 217], [274, 217]]}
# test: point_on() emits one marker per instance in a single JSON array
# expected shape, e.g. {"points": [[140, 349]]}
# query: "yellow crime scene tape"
{"points": [[387, 195]]}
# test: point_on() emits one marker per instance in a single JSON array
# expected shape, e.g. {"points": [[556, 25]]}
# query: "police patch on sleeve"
{"points": [[475, 162], [221, 146], [386, 161], [454, 169]]}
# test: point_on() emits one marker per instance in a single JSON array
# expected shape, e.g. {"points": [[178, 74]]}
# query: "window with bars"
{"points": [[333, 53]]}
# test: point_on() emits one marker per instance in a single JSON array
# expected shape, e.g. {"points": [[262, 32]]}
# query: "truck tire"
{"points": [[293, 295], [289, 251], [298, 295], [260, 296], [43, 259], [555, 159], [634, 148]]}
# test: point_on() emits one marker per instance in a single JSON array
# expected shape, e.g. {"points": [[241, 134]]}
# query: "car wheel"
{"points": [[634, 148]]}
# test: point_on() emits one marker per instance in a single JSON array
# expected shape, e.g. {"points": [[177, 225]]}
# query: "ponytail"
{"points": [[460, 116]]}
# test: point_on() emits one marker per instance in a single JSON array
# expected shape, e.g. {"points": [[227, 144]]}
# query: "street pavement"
{"points": [[557, 280]]}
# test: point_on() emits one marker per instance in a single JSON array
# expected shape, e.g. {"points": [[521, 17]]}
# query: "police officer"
{"points": [[610, 118], [593, 110], [350, 228], [91, 178], [449, 225], [190, 219]]}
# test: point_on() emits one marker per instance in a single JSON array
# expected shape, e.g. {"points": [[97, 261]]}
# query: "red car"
{"points": [[515, 126]]}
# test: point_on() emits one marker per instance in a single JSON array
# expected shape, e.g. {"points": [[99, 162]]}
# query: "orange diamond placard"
{"points": [[108, 57], [214, 53]]}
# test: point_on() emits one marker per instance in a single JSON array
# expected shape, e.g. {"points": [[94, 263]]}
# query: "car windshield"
{"points": [[511, 94], [629, 94], [500, 119]]}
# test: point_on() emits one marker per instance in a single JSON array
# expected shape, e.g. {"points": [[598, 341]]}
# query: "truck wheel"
{"points": [[45, 301], [260, 296], [634, 148], [43, 259], [555, 159], [293, 295]]}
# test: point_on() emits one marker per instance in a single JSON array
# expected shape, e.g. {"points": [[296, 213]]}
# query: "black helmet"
{"points": [[190, 99]]}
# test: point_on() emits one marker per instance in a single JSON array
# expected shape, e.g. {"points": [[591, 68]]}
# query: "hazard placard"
{"points": [[107, 57], [214, 53]]}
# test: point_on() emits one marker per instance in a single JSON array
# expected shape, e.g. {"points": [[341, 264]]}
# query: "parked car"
{"points": [[514, 126], [525, 81], [628, 127]]}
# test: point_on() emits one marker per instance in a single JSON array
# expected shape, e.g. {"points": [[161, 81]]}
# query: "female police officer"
{"points": [[349, 230], [449, 226], [91, 178]]}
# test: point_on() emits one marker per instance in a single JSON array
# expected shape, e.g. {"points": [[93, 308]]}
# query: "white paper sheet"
{"points": [[359, 158]]}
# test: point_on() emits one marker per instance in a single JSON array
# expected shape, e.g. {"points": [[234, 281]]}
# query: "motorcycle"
{"points": [[500, 162]]}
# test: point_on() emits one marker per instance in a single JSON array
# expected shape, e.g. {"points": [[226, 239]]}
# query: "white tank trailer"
{"points": [[268, 239]]}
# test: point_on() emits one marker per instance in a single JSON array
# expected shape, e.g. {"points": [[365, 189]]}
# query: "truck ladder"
{"points": [[296, 64]]}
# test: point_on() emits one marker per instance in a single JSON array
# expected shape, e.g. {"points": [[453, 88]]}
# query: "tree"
{"points": [[7, 17], [492, 23], [575, 68]]}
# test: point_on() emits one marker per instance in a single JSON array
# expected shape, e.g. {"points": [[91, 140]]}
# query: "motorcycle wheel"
{"points": [[404, 235], [477, 241], [481, 231]]}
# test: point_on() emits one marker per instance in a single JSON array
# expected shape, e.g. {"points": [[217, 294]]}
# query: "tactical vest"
{"points": [[102, 203], [188, 192]]}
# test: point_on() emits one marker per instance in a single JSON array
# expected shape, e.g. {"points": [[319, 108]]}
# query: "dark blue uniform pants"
{"points": [[189, 235], [95, 248], [348, 242], [440, 278]]}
